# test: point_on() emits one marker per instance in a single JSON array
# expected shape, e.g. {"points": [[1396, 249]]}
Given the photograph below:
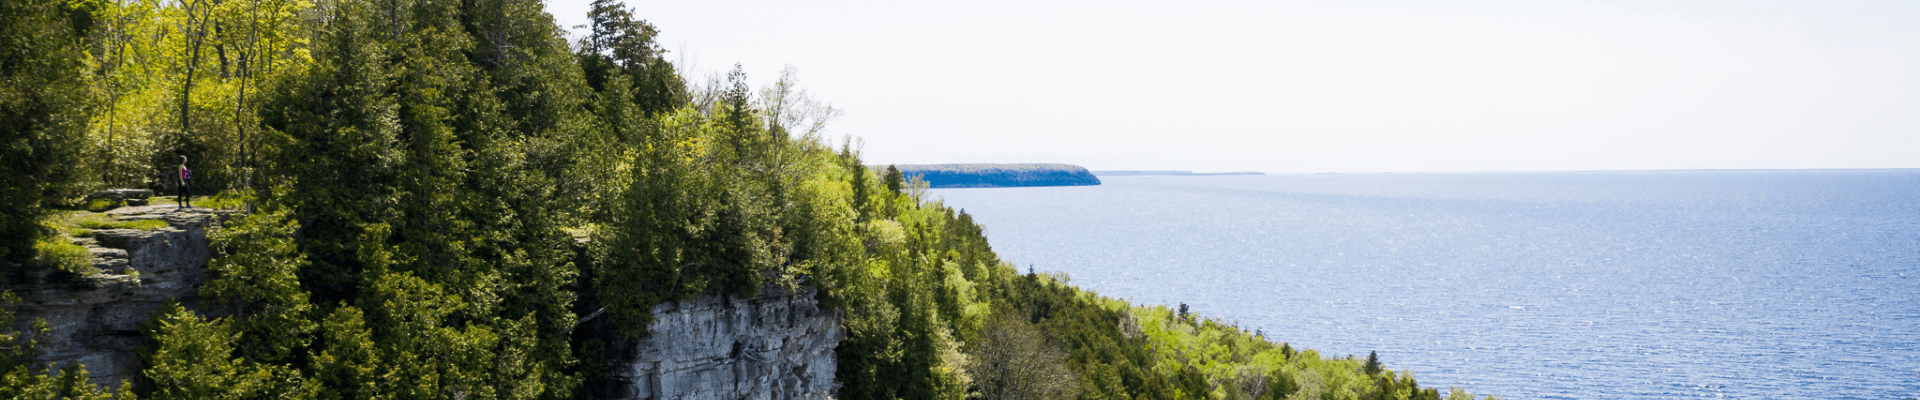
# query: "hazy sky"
{"points": [[1325, 86]]}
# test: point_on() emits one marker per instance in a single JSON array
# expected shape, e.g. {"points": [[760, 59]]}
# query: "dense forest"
{"points": [[438, 190], [996, 175]]}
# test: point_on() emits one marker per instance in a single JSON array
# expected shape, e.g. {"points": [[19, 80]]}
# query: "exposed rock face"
{"points": [[96, 320], [776, 346]]}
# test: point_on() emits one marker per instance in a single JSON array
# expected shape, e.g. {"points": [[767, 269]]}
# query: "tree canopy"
{"points": [[439, 190]]}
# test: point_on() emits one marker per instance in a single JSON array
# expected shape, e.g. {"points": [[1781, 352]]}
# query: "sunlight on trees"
{"points": [[439, 190]]}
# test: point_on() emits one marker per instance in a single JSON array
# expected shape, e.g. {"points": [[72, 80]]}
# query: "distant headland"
{"points": [[1169, 173], [998, 175]]}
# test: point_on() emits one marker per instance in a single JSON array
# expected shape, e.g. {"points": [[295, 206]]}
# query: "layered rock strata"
{"points": [[96, 320], [779, 345], [775, 346]]}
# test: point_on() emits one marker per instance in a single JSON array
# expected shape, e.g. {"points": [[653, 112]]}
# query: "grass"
{"points": [[57, 252], [81, 220], [97, 224], [99, 205], [223, 201], [82, 224], [63, 256]]}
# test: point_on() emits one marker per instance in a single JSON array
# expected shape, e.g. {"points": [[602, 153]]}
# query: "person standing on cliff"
{"points": [[186, 192]]}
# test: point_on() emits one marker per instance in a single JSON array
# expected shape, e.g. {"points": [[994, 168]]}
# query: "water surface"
{"points": [[1574, 285]]}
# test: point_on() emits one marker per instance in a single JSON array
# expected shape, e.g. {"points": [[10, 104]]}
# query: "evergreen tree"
{"points": [[424, 178], [43, 113], [895, 180], [737, 100], [1373, 363], [193, 358], [426, 144], [617, 45]]}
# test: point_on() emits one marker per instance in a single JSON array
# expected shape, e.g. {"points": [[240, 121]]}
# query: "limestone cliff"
{"points": [[775, 346], [779, 345], [96, 320]]}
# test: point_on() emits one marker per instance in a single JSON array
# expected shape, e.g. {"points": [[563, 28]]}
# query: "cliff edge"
{"points": [[96, 319], [779, 345], [775, 346]]}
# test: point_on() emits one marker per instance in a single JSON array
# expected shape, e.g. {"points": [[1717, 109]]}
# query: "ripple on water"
{"points": [[1741, 284]]}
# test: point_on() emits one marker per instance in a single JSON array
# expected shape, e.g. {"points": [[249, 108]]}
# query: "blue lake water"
{"points": [[1565, 285]]}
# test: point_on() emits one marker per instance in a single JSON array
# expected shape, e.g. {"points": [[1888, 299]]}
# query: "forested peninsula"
{"points": [[445, 199], [997, 175]]}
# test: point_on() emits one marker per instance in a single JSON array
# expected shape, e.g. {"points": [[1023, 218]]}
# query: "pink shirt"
{"points": [[183, 173]]}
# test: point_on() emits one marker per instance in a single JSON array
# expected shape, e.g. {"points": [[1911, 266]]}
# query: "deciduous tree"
{"points": [[1015, 361], [43, 113]]}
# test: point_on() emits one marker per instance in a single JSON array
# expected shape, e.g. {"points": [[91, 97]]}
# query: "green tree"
{"points": [[1372, 367], [617, 45], [895, 180], [43, 113], [193, 358], [425, 144], [256, 271], [1014, 361]]}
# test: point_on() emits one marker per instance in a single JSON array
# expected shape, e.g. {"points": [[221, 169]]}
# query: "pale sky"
{"points": [[1326, 86]]}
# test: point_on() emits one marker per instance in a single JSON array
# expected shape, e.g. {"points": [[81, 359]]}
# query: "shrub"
{"points": [[222, 200], [98, 205], [66, 257]]}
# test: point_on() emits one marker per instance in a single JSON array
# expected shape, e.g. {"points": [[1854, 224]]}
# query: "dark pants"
{"points": [[186, 195]]}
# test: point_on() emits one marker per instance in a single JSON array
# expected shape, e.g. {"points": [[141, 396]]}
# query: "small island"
{"points": [[1170, 173], [998, 175]]}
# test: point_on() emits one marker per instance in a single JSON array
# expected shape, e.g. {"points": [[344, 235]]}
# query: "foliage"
{"points": [[256, 269], [422, 148], [57, 254], [619, 55], [183, 78], [193, 358], [97, 223], [21, 377], [419, 176], [229, 200], [99, 205], [1014, 361], [43, 112], [997, 175], [1456, 393]]}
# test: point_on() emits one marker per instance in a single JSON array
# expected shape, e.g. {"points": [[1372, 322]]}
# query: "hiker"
{"points": [[186, 192]]}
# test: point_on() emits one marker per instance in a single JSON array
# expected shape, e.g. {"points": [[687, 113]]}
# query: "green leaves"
{"points": [[690, 223], [348, 365], [424, 149], [193, 358], [256, 269], [43, 115], [423, 165]]}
